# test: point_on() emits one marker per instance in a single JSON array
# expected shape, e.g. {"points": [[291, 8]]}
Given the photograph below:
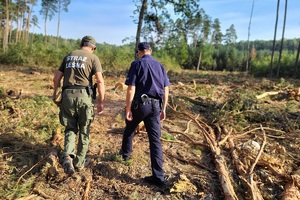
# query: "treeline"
{"points": [[191, 41], [228, 57]]}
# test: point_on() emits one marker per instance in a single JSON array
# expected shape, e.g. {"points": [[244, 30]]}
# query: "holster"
{"points": [[94, 91]]}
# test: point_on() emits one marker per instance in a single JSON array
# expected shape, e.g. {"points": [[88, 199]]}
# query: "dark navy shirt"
{"points": [[148, 76]]}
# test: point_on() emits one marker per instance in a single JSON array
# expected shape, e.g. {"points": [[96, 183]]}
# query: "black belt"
{"points": [[74, 87], [76, 91]]}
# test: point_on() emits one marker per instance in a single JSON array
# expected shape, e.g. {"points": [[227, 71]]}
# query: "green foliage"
{"points": [[182, 52], [15, 55], [117, 158], [2, 92], [169, 62], [39, 116], [113, 57], [242, 100], [176, 53], [260, 67], [35, 54], [168, 136], [12, 192]]}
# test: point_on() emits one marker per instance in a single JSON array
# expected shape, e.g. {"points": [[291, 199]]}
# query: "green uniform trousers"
{"points": [[76, 114]]}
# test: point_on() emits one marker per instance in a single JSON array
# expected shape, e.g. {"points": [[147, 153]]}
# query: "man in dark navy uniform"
{"points": [[146, 100]]}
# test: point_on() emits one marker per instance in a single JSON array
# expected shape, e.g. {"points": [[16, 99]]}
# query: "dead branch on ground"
{"points": [[189, 161], [41, 194], [87, 190], [184, 133], [218, 158]]}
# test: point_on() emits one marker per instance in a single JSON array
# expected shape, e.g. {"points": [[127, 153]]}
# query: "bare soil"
{"points": [[224, 103]]}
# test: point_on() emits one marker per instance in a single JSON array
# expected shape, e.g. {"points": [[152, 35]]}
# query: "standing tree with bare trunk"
{"points": [[248, 42], [48, 10], [6, 26], [297, 59], [282, 39], [27, 27], [62, 5], [142, 10], [274, 40]]}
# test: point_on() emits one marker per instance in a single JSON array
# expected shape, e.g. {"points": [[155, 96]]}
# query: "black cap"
{"points": [[143, 46]]}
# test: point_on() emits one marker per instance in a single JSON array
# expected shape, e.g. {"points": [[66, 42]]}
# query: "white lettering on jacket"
{"points": [[75, 65], [75, 62], [76, 58]]}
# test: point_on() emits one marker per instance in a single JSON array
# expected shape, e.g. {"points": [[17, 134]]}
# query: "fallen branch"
{"points": [[247, 177], [190, 139], [255, 129], [184, 133], [255, 192], [189, 161], [19, 152], [219, 160], [172, 141], [42, 194], [30, 197], [225, 138], [266, 94], [29, 170], [87, 190]]}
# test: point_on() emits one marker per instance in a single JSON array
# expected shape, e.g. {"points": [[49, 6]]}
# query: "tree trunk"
{"points": [[297, 59], [5, 37], [274, 41], [282, 38], [248, 43], [140, 24], [58, 25], [45, 29], [28, 25], [199, 61], [17, 27]]}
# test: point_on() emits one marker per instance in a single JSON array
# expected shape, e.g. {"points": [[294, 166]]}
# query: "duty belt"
{"points": [[146, 99]]}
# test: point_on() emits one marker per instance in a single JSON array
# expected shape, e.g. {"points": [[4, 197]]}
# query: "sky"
{"points": [[111, 21]]}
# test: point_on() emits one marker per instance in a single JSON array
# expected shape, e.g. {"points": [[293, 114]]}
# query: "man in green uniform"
{"points": [[76, 108]]}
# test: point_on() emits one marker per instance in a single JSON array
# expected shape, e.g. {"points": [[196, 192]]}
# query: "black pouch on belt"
{"points": [[89, 90]]}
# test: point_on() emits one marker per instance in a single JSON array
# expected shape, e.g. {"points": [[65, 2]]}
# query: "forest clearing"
{"points": [[227, 135]]}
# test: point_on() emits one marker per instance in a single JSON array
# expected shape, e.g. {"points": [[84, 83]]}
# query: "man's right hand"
{"points": [[100, 108], [163, 115], [129, 115]]}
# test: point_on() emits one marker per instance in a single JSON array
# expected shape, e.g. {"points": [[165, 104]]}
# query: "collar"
{"points": [[147, 56]]}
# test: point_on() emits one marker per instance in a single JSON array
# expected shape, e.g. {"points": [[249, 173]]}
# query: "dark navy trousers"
{"points": [[149, 113]]}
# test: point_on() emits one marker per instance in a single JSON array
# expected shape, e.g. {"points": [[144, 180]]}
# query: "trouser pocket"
{"points": [[87, 114], [62, 119]]}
